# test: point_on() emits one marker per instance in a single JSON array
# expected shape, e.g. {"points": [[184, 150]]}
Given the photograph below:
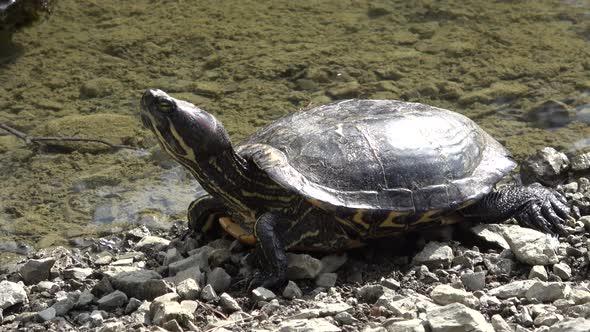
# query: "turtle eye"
{"points": [[165, 106]]}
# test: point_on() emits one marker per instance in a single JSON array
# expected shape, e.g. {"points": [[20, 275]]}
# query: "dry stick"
{"points": [[37, 139]]}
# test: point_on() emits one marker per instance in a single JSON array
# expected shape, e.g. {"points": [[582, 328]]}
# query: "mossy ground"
{"points": [[249, 62]]}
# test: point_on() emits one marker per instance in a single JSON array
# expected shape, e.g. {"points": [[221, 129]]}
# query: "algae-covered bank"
{"points": [[520, 69]]}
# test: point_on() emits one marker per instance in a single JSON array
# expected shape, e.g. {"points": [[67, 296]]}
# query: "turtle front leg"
{"points": [[532, 206], [270, 251], [203, 214]]}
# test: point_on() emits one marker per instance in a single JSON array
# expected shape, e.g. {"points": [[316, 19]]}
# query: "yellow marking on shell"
{"points": [[426, 218], [315, 202], [349, 224], [390, 220], [451, 219], [287, 199], [358, 219], [237, 231]]}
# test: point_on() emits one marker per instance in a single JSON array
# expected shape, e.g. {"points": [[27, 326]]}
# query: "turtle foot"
{"points": [[547, 210]]}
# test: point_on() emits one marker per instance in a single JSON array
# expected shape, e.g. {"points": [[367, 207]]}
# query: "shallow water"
{"points": [[519, 69]]}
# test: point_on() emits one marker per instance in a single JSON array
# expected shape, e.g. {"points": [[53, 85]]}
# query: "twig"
{"points": [[38, 139]]}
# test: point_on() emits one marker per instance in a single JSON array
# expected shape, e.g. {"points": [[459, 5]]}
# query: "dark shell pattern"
{"points": [[380, 155]]}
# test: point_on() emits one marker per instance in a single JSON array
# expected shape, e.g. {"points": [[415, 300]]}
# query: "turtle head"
{"points": [[185, 131]]}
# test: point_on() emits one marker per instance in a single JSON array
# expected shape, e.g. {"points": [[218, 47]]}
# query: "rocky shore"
{"points": [[465, 278]]}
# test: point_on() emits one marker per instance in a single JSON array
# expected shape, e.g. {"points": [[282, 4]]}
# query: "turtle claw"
{"points": [[545, 211]]}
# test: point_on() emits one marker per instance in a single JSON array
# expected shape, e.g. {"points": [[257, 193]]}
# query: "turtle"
{"points": [[340, 175]]}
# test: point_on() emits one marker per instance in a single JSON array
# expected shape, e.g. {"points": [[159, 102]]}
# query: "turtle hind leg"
{"points": [[270, 251], [203, 215], [532, 206]]}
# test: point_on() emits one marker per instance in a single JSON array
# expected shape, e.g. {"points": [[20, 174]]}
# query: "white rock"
{"points": [[547, 291], [457, 317], [411, 325], [530, 246], [163, 312], [188, 289], [229, 303], [500, 325], [491, 233], [152, 243], [571, 325], [305, 325], [446, 294], [538, 271], [263, 294], [563, 271], [11, 293], [514, 289], [434, 255], [77, 273]]}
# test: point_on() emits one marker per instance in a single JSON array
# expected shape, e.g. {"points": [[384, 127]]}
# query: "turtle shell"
{"points": [[380, 155]]}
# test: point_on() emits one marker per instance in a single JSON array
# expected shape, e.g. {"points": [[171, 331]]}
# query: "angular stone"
{"points": [[434, 255], [538, 271], [132, 305], [172, 255], [292, 291], [47, 314], [445, 294], [66, 304], [563, 271], [326, 280], [35, 270], [190, 273], [491, 233], [263, 294], [11, 293], [200, 259], [546, 166], [229, 303], [530, 246], [142, 284], [77, 273], [474, 281], [85, 298], [345, 318], [188, 289], [412, 325], [303, 325], [546, 291], [514, 289], [580, 295], [163, 312], [208, 293], [499, 324], [457, 317], [219, 279], [154, 243], [581, 162], [302, 266], [112, 301], [331, 263], [370, 293], [571, 325]]}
